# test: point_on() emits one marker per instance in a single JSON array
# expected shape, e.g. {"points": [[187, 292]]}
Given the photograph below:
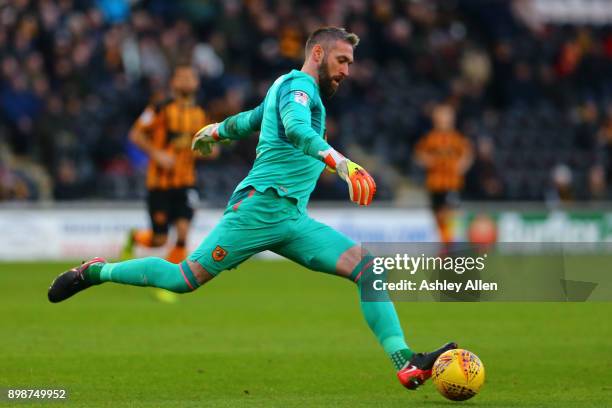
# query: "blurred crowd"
{"points": [[535, 100]]}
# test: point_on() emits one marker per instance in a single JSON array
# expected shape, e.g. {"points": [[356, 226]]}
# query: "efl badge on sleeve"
{"points": [[300, 97]]}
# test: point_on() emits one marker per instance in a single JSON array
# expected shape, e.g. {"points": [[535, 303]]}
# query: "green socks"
{"points": [[150, 271], [92, 273], [383, 321], [401, 357]]}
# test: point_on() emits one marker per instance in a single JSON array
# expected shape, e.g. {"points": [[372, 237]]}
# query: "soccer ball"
{"points": [[458, 374]]}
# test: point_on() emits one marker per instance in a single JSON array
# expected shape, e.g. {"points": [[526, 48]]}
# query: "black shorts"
{"points": [[167, 206], [444, 199]]}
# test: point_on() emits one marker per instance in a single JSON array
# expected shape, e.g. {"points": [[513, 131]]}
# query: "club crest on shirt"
{"points": [[218, 254], [300, 97]]}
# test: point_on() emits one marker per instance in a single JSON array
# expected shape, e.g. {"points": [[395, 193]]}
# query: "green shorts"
{"points": [[254, 222]]}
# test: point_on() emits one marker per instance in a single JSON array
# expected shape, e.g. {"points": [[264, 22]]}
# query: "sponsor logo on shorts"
{"points": [[218, 254]]}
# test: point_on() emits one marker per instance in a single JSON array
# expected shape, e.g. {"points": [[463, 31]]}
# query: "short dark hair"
{"points": [[324, 35]]}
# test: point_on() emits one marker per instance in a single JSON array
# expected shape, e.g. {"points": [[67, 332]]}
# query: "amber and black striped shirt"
{"points": [[447, 149], [171, 126]]}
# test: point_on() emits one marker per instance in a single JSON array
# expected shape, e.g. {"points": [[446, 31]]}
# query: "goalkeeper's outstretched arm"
{"points": [[242, 124], [235, 127]]}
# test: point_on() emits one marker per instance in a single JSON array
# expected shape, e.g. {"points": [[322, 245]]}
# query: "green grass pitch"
{"points": [[274, 334]]}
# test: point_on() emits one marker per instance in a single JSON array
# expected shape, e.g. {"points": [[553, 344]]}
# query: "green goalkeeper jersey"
{"points": [[291, 120]]}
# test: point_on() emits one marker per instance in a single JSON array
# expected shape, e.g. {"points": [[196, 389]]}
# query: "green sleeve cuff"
{"points": [[221, 130], [317, 145]]}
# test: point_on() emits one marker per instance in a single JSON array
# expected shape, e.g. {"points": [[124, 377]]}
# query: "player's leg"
{"points": [[181, 213], [179, 278], [179, 251], [158, 207], [442, 210], [156, 272], [236, 237], [321, 248], [151, 271]]}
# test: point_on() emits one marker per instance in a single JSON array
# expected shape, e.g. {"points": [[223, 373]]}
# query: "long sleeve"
{"points": [[294, 106], [242, 124]]}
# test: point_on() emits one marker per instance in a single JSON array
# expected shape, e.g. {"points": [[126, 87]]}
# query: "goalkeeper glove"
{"points": [[205, 138], [361, 185]]}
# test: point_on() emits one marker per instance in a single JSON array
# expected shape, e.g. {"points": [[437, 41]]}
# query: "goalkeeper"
{"points": [[267, 211]]}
